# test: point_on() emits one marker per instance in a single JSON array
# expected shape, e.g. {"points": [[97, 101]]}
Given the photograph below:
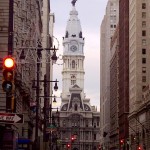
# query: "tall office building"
{"points": [[108, 27], [123, 82], [114, 135], [139, 72]]}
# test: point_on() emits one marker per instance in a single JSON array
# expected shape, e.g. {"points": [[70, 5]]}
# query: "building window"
{"points": [[111, 26], [143, 51], [143, 69], [144, 60], [143, 14], [143, 33], [73, 64], [144, 42], [75, 107], [143, 5], [143, 87], [97, 123], [86, 123], [143, 24], [94, 136], [73, 80], [87, 135], [143, 78]]}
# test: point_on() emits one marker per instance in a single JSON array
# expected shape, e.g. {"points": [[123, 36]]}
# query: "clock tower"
{"points": [[73, 54], [78, 120]]}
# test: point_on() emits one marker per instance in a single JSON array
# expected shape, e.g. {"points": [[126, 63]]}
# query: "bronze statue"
{"points": [[73, 2]]}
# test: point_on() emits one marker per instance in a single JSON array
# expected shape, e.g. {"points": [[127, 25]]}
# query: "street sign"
{"points": [[11, 118]]}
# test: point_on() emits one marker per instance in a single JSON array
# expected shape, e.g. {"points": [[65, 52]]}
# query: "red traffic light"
{"points": [[139, 148], [122, 141], [8, 62], [68, 145], [72, 138], [8, 73]]}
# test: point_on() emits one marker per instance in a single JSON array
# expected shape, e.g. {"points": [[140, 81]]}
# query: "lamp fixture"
{"points": [[54, 57], [54, 101], [56, 87]]}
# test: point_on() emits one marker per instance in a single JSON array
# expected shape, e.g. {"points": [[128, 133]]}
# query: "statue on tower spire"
{"points": [[73, 2]]}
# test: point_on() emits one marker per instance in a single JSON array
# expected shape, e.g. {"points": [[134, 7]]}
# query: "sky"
{"points": [[90, 13]]}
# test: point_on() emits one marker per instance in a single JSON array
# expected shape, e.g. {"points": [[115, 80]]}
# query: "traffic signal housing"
{"points": [[139, 148], [122, 142], [72, 138], [8, 74], [68, 146]]}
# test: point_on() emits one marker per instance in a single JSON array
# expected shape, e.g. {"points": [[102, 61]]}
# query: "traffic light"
{"points": [[72, 138], [122, 142], [68, 145], [139, 148], [99, 147], [8, 74]]}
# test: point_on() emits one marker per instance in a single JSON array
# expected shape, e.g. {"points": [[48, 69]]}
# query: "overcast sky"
{"points": [[90, 13]]}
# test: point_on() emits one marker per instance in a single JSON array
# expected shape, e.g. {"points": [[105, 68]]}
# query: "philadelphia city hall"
{"points": [[79, 122]]}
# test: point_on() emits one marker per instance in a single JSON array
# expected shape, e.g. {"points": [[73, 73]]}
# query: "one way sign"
{"points": [[11, 118]]}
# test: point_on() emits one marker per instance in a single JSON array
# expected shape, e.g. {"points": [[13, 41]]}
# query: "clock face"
{"points": [[73, 48]]}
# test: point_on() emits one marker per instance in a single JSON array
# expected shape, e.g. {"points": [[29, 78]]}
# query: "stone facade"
{"points": [[20, 32], [114, 127], [78, 119], [108, 27], [4, 25], [139, 70]]}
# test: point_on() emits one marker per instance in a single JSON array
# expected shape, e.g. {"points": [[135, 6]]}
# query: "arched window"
{"points": [[73, 80], [73, 64], [75, 107]]}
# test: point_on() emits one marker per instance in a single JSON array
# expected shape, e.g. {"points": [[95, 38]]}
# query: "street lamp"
{"points": [[37, 89], [52, 124], [28, 55]]}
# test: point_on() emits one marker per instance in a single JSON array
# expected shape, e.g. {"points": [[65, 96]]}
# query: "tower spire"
{"points": [[73, 2]]}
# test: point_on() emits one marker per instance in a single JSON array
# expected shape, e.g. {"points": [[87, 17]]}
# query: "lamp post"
{"points": [[52, 125], [45, 108], [54, 58]]}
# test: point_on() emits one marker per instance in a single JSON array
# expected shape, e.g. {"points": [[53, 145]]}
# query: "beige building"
{"points": [[139, 71], [108, 27], [114, 126]]}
